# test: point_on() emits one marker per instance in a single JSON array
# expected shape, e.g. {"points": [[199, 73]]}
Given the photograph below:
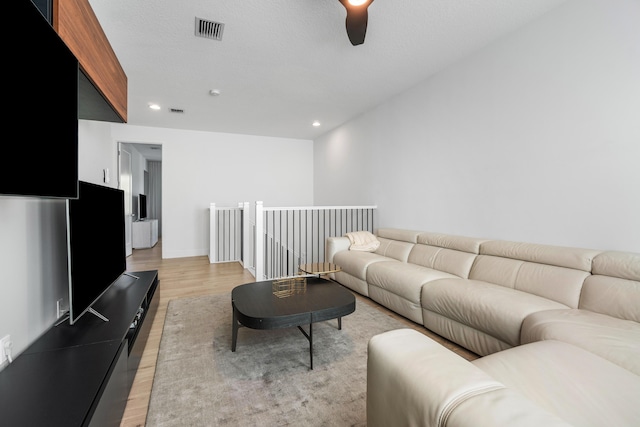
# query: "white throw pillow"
{"points": [[363, 241]]}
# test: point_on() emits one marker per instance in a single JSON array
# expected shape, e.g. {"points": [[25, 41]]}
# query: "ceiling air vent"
{"points": [[209, 29], [176, 110]]}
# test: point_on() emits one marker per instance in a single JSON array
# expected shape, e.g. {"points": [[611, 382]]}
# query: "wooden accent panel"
{"points": [[78, 26]]}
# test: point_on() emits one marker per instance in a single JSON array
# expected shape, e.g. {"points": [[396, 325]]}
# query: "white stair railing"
{"points": [[274, 241], [286, 237], [227, 232]]}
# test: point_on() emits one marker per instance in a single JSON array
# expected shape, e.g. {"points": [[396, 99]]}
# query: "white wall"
{"points": [[534, 138], [96, 152], [198, 168], [32, 265]]}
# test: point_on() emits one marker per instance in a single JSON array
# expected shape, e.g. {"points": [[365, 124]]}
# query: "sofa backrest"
{"points": [[399, 234], [614, 287], [396, 243], [551, 272], [394, 249], [443, 252], [459, 243]]}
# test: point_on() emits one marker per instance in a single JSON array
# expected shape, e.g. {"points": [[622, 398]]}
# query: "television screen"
{"points": [[43, 76], [96, 244], [142, 207]]}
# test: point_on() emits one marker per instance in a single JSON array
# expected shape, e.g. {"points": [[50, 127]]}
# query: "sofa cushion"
{"points": [[614, 288], [574, 258], [625, 265], [475, 340], [448, 241], [402, 278], [614, 339], [448, 260], [397, 286], [496, 310], [352, 282], [355, 263], [576, 385], [394, 248], [398, 234], [612, 296], [559, 284]]}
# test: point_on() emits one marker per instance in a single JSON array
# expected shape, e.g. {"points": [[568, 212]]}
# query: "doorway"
{"points": [[146, 178]]}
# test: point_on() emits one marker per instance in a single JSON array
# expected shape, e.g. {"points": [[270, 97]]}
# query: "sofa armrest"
{"points": [[414, 381], [335, 245]]}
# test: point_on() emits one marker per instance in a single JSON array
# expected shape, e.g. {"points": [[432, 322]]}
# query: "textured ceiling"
{"points": [[282, 64]]}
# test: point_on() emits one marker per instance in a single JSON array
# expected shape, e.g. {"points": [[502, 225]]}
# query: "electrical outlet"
{"points": [[4, 341]]}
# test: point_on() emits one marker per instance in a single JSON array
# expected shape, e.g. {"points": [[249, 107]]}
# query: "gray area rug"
{"points": [[199, 381]]}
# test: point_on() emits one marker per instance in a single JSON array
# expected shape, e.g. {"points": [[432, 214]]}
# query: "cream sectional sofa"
{"points": [[509, 302], [414, 381]]}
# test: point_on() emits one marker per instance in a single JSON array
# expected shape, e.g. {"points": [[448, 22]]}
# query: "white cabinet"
{"points": [[145, 233]]}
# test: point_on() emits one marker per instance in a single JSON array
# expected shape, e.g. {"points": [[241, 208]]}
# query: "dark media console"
{"points": [[81, 374]]}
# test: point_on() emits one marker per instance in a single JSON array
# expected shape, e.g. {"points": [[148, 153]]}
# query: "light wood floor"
{"points": [[195, 276]]}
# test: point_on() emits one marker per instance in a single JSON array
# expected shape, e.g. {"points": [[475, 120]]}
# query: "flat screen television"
{"points": [[95, 243], [142, 207], [43, 101]]}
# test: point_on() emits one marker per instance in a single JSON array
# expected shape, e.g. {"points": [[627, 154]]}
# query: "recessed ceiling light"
{"points": [[316, 123], [154, 106], [214, 92]]}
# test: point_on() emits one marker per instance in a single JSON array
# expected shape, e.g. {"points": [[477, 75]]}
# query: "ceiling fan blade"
{"points": [[356, 22], [357, 26]]}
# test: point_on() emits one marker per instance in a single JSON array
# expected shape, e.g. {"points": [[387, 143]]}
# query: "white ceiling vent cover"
{"points": [[209, 29]]}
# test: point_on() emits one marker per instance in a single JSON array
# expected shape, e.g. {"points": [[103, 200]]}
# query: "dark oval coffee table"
{"points": [[255, 306]]}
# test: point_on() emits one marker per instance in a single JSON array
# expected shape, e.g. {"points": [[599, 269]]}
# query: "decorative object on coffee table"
{"points": [[288, 286], [319, 268]]}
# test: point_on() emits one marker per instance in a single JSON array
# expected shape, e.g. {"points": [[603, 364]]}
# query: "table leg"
{"points": [[340, 323], [309, 337], [311, 345], [234, 331]]}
